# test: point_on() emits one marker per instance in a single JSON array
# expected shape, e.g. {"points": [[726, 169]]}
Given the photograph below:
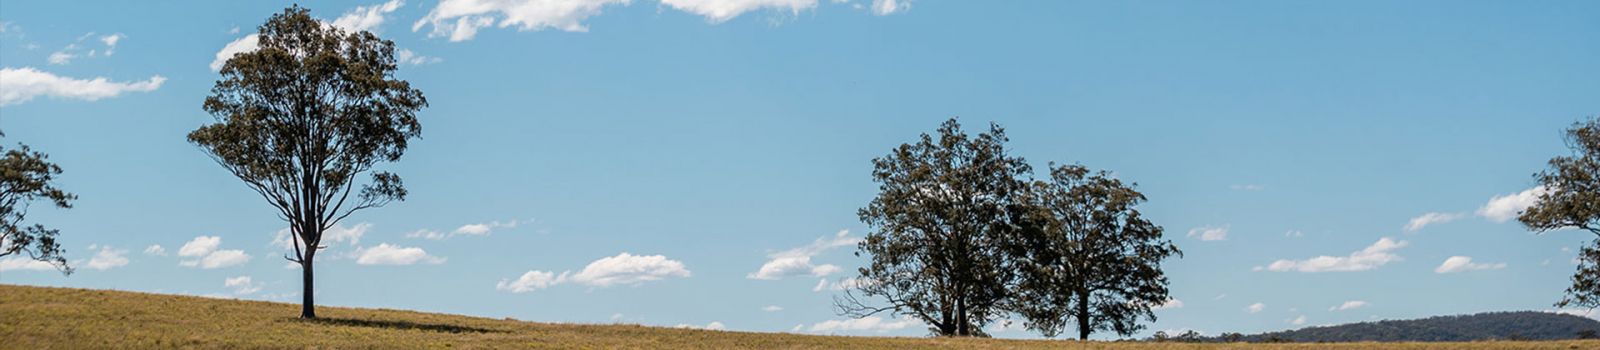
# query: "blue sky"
{"points": [[643, 161]]}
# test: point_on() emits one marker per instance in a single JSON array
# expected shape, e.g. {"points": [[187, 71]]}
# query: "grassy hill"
{"points": [[60, 318]]}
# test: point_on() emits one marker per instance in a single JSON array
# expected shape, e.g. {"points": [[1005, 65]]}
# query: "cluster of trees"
{"points": [[964, 236], [1520, 325]]}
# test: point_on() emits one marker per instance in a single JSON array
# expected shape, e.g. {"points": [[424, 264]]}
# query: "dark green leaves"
{"points": [[27, 176], [1571, 199]]}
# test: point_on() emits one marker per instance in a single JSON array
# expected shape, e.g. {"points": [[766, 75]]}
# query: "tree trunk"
{"points": [[1083, 316], [308, 308], [961, 318]]}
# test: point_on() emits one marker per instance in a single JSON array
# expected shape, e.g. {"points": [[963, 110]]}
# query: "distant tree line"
{"points": [[1521, 325], [963, 235]]}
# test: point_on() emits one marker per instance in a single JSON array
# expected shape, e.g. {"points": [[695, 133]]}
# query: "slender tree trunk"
{"points": [[962, 328], [308, 308], [1083, 316]]}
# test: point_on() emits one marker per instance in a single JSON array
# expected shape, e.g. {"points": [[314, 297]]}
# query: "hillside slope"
{"points": [[56, 318], [1521, 325]]}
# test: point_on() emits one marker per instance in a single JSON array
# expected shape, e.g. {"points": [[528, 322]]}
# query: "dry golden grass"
{"points": [[61, 318]]}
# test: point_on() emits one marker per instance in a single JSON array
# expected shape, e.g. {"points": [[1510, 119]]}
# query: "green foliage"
{"points": [[302, 118], [1088, 257], [1522, 325], [1572, 200], [27, 176], [940, 220]]}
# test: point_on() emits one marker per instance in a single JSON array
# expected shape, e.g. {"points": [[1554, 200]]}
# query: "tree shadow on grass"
{"points": [[401, 325]]}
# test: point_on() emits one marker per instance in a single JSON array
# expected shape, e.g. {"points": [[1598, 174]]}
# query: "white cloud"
{"points": [[628, 269], [1208, 233], [366, 18], [155, 249], [1172, 303], [242, 285], [350, 235], [24, 264], [797, 261], [718, 11], [204, 248], [107, 258], [1294, 234], [531, 281], [1348, 305], [1368, 258], [869, 323], [848, 283], [481, 229], [1298, 320], [1507, 207], [247, 43], [623, 269], [1463, 264], [62, 57], [427, 234], [713, 326], [889, 7], [18, 85], [111, 42], [405, 56], [1255, 308], [200, 246], [1417, 223], [460, 19], [385, 254], [772, 308]]}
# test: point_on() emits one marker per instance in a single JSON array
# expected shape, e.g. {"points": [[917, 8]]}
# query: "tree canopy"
{"points": [[1570, 198], [300, 119], [1088, 257], [27, 176]]}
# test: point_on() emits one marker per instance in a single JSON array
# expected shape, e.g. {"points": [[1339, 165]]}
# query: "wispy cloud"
{"points": [[1371, 257], [1464, 263], [18, 85], [797, 261], [1209, 233], [1417, 223]]}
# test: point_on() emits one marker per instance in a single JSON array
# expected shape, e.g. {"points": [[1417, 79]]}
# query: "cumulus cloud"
{"points": [[1208, 233], [111, 42], [242, 285], [531, 281], [460, 19], [797, 261], [155, 249], [1417, 223], [24, 264], [106, 258], [889, 7], [1255, 308], [247, 43], [772, 308], [1348, 305], [349, 235], [628, 269], [61, 57], [1371, 257], [869, 323], [1463, 264], [204, 253], [1507, 207], [718, 11], [623, 269], [366, 18], [385, 254], [18, 85], [713, 326], [1297, 320], [478, 229], [405, 56]]}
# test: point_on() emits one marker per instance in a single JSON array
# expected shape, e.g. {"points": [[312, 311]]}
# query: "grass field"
{"points": [[60, 318]]}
